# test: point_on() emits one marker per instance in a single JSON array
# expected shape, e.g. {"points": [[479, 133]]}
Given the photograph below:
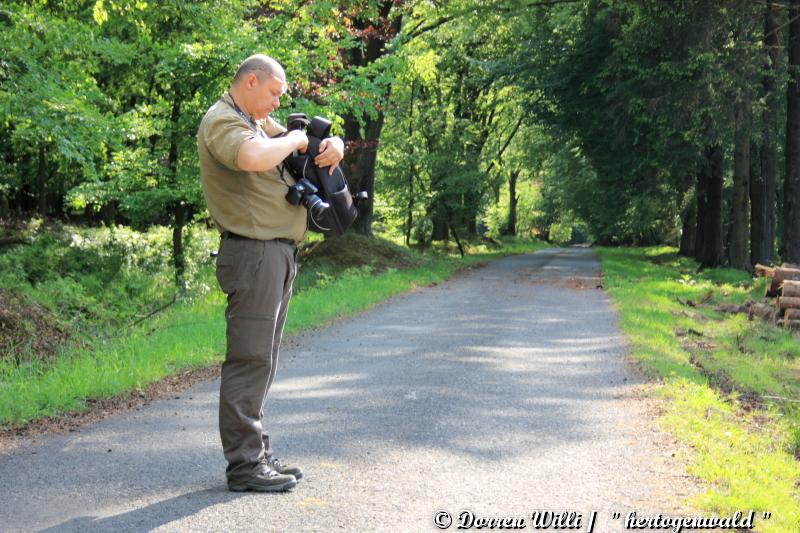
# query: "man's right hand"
{"points": [[300, 138], [259, 154]]}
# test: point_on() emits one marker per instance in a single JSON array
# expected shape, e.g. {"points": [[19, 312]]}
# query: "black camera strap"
{"points": [[250, 122]]}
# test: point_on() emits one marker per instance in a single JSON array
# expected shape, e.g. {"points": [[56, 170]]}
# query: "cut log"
{"points": [[790, 288], [732, 308], [791, 314], [787, 302], [794, 266], [781, 275], [764, 311], [792, 324], [762, 271]]}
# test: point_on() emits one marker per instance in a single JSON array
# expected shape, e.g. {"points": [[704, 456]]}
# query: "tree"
{"points": [[762, 184], [790, 241]]}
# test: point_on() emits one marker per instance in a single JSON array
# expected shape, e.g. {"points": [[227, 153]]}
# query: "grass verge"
{"points": [[729, 384], [192, 334]]}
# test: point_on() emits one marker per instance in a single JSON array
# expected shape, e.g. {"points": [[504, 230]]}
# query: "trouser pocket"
{"points": [[250, 337], [237, 263], [226, 273]]}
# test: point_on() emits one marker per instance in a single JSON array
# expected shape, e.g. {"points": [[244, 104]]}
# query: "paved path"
{"points": [[502, 391]]}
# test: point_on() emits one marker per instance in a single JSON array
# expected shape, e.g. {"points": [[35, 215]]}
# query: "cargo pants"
{"points": [[257, 278]]}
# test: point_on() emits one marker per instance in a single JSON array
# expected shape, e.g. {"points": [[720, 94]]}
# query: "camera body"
{"points": [[304, 192]]}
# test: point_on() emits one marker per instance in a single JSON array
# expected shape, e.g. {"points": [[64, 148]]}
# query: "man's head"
{"points": [[258, 85]]}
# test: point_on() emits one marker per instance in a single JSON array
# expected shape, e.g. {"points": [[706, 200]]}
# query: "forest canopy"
{"points": [[610, 121]]}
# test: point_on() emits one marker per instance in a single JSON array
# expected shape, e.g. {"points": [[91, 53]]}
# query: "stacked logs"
{"points": [[785, 291]]}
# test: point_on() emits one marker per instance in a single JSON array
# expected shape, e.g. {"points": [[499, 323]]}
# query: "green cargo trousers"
{"points": [[257, 278]]}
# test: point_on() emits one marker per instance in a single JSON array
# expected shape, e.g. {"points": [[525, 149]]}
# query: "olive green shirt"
{"points": [[251, 204]]}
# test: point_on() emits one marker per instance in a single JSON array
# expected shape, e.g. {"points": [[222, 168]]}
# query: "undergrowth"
{"points": [[731, 385]]}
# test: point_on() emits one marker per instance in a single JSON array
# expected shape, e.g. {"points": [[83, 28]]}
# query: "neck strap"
{"points": [[242, 114]]}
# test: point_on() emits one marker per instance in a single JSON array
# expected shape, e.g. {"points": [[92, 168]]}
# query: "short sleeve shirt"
{"points": [[251, 204]]}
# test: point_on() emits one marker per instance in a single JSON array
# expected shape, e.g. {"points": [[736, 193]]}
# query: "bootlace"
{"points": [[271, 471], [275, 463]]}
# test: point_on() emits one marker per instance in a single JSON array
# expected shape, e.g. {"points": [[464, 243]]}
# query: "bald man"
{"points": [[246, 196]]}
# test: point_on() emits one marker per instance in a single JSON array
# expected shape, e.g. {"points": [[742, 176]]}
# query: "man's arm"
{"points": [[259, 153]]}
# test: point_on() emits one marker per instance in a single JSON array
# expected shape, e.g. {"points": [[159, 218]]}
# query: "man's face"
{"points": [[265, 96]]}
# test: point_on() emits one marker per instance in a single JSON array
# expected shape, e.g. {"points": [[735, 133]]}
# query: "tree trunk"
{"points": [[178, 222], [471, 207], [5, 209], [511, 225], [179, 209], [762, 189], [458, 241], [758, 238], [738, 252], [410, 205], [709, 210], [41, 180], [359, 165], [701, 194], [411, 168], [790, 241], [108, 213], [689, 229], [440, 222]]}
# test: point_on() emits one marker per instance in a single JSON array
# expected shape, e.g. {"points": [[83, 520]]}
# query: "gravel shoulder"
{"points": [[502, 391]]}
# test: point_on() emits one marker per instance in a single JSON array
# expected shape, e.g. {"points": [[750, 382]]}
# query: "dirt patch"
{"points": [[589, 282], [353, 250], [536, 277], [719, 379], [667, 456], [27, 329], [99, 409]]}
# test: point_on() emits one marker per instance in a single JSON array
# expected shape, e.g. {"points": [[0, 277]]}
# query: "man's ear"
{"points": [[251, 80]]}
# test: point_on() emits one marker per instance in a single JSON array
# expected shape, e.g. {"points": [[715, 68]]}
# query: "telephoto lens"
{"points": [[315, 205]]}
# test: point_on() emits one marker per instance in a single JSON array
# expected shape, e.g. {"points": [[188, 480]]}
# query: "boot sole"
{"points": [[283, 487]]}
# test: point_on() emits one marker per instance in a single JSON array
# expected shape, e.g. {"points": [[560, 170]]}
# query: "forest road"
{"points": [[503, 391]]}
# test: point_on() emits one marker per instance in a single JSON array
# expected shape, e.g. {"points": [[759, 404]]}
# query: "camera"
{"points": [[304, 192]]}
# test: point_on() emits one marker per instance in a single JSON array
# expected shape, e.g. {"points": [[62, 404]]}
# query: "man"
{"points": [[245, 194]]}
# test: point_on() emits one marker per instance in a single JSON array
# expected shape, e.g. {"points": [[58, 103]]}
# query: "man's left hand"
{"points": [[331, 151]]}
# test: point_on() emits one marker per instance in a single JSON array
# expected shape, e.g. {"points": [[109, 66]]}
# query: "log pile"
{"points": [[783, 293]]}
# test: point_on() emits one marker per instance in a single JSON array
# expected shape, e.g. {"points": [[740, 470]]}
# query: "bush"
{"points": [[95, 278], [560, 233]]}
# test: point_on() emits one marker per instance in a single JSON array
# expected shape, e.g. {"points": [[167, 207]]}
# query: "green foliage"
{"points": [[94, 278], [560, 234]]}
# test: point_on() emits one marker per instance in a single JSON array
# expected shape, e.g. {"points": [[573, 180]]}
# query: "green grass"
{"points": [[717, 372], [192, 334]]}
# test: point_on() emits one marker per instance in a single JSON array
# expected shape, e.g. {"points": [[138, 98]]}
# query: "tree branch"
{"points": [[482, 9]]}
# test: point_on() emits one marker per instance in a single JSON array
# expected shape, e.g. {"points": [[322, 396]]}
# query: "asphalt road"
{"points": [[502, 391]]}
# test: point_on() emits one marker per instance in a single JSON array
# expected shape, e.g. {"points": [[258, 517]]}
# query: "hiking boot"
{"points": [[291, 470], [267, 481]]}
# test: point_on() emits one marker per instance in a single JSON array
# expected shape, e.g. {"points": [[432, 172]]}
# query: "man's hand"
{"points": [[300, 138], [331, 151]]}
